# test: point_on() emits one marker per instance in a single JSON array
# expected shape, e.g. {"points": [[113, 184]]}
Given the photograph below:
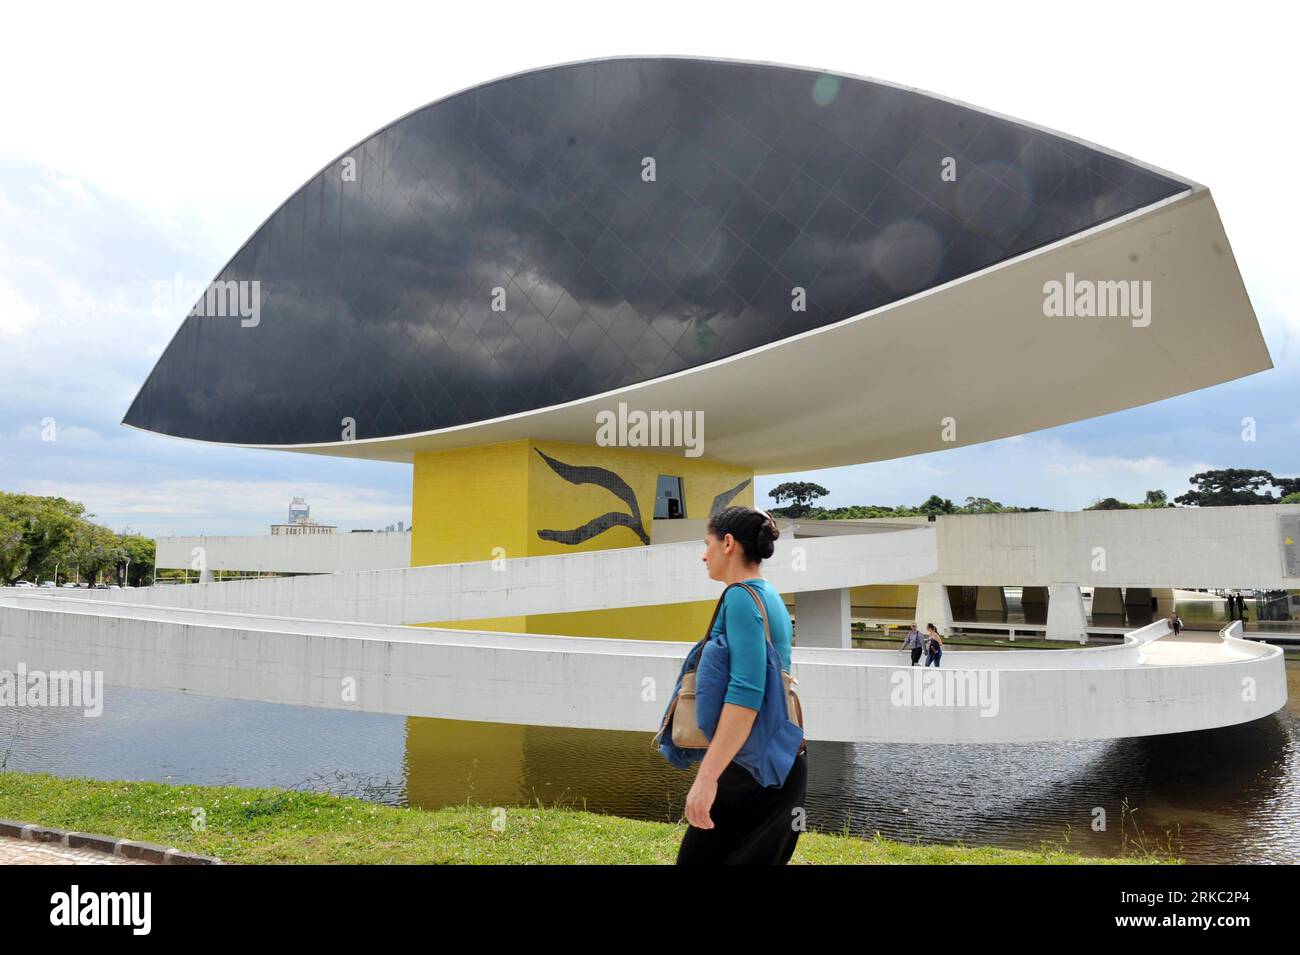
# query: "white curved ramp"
{"points": [[592, 580], [1151, 684]]}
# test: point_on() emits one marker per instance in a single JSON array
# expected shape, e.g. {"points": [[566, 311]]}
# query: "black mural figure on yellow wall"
{"points": [[589, 474], [723, 500]]}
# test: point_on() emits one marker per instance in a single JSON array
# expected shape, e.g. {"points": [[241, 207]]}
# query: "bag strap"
{"points": [[708, 633], [767, 630]]}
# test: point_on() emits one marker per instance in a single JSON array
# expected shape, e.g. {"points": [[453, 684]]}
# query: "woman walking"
{"points": [[735, 817], [914, 642], [933, 645]]}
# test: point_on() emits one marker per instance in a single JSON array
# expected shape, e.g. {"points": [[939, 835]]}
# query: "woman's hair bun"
{"points": [[768, 532]]}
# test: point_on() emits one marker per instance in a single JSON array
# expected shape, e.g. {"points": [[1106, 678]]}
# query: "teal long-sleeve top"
{"points": [[742, 622]]}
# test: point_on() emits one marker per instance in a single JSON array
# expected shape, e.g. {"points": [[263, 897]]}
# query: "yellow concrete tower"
{"points": [[529, 498]]}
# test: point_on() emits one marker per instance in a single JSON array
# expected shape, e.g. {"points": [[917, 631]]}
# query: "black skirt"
{"points": [[752, 825]]}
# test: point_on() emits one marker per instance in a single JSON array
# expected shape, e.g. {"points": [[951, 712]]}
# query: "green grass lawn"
{"points": [[275, 825]]}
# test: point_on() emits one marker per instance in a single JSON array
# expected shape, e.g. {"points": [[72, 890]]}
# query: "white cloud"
{"points": [[1075, 463], [73, 188], [16, 314], [69, 434]]}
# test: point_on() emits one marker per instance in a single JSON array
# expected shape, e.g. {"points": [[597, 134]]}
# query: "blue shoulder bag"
{"points": [[777, 734]]}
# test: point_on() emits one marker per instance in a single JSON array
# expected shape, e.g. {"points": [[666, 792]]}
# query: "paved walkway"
{"points": [[21, 852], [1188, 649]]}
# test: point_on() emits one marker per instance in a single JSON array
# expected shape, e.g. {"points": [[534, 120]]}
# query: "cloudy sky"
{"points": [[141, 142]]}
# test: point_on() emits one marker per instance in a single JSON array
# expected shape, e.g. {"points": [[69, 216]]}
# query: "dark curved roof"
{"points": [[376, 295]]}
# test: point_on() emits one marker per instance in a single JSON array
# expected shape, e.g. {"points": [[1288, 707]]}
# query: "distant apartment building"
{"points": [[300, 521]]}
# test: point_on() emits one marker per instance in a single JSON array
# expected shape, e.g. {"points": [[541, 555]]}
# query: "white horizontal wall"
{"points": [[1174, 547], [593, 580], [290, 553], [1169, 547]]}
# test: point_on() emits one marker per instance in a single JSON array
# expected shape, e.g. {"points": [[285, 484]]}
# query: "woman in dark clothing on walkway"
{"points": [[733, 819], [933, 645]]}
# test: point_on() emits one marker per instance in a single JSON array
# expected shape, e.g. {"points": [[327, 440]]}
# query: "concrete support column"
{"points": [[933, 606], [1137, 606], [1033, 601], [991, 604], [205, 575], [822, 619], [1108, 606], [1065, 617]]}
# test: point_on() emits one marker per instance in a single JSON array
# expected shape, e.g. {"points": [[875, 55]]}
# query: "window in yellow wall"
{"points": [[670, 502]]}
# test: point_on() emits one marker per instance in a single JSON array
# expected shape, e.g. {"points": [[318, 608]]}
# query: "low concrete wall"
{"points": [[1171, 547], [289, 553], [1214, 547], [592, 580]]}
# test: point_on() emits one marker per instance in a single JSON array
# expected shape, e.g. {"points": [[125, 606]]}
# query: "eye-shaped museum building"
{"points": [[813, 269]]}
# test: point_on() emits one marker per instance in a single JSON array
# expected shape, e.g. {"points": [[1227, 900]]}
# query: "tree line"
{"points": [[52, 538], [1227, 487]]}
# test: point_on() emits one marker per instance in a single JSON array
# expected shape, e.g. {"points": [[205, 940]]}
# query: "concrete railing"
{"points": [[592, 580], [600, 683]]}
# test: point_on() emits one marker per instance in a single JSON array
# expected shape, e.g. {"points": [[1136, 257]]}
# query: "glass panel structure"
{"points": [[564, 232]]}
